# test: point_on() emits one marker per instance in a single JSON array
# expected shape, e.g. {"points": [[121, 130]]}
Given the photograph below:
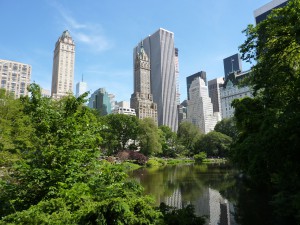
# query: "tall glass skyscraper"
{"points": [[161, 51], [261, 13]]}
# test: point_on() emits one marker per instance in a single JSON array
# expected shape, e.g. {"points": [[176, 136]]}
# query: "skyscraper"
{"points": [[190, 79], [81, 87], [232, 63], [177, 76], [142, 99], [214, 92], [199, 108], [100, 101], [63, 66], [160, 49], [261, 13], [15, 77]]}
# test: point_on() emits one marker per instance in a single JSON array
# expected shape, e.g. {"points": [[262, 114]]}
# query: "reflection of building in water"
{"points": [[212, 204], [175, 200]]}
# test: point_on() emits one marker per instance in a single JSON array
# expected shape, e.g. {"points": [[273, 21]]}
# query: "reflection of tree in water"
{"points": [[191, 180], [197, 184]]}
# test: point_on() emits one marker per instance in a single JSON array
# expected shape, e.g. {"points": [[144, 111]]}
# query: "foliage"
{"points": [[149, 139], [200, 157], [184, 216], [58, 178], [214, 144], [188, 134], [104, 197], [155, 162], [168, 141], [228, 127], [139, 158], [117, 131], [268, 146]]}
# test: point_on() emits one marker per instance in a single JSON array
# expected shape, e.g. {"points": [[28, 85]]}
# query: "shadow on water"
{"points": [[213, 189]]}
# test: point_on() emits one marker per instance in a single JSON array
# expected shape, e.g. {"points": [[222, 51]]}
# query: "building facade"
{"points": [[124, 108], [177, 77], [199, 108], [81, 87], [100, 101], [15, 77], [160, 49], [261, 13], [63, 66], [214, 93], [190, 79], [231, 90], [142, 99], [231, 64]]}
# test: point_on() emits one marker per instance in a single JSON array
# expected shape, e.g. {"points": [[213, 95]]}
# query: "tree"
{"points": [[214, 144], [60, 180], [269, 143], [227, 126], [117, 130], [149, 139], [188, 134], [168, 141]]}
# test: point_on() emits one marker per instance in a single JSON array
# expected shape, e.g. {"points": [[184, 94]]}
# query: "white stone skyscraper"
{"points": [[160, 49], [63, 66], [200, 109], [142, 99]]}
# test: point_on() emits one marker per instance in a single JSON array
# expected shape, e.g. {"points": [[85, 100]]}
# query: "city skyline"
{"points": [[105, 33]]}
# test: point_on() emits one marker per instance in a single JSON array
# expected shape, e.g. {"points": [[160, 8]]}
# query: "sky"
{"points": [[105, 33]]}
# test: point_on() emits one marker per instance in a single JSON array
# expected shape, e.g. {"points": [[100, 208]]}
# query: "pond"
{"points": [[209, 187]]}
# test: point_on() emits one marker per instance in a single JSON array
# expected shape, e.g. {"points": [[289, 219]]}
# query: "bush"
{"points": [[139, 158], [184, 216], [153, 163], [200, 157]]}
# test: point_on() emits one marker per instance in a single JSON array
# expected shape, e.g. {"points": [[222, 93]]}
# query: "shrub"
{"points": [[153, 163], [132, 155], [200, 157]]}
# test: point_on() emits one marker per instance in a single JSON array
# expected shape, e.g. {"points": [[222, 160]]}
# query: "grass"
{"points": [[129, 166]]}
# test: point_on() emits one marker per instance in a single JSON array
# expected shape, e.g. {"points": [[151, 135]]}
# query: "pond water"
{"points": [[209, 187]]}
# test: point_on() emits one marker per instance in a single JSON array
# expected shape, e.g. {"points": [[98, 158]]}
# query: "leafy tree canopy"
{"points": [[268, 146]]}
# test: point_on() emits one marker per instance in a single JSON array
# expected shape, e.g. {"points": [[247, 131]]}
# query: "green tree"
{"points": [[168, 141], [188, 134], [59, 180], [269, 143], [227, 126], [214, 144], [117, 130], [149, 139]]}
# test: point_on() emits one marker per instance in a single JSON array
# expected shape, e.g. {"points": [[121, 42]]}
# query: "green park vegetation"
{"points": [[51, 152], [268, 144], [52, 169]]}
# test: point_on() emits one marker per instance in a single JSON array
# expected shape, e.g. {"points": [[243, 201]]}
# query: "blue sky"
{"points": [[105, 33]]}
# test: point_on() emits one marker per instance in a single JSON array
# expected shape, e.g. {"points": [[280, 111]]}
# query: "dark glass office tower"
{"points": [[261, 13], [231, 64]]}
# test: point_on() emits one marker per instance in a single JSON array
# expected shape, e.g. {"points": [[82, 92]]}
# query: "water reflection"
{"points": [[207, 187]]}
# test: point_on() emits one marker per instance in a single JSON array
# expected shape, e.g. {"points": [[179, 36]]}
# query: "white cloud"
{"points": [[90, 35]]}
